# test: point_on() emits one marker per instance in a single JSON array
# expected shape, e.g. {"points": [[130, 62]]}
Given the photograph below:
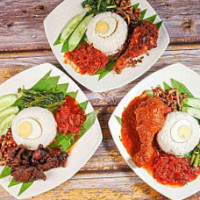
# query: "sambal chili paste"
{"points": [[69, 117], [171, 170], [86, 59]]}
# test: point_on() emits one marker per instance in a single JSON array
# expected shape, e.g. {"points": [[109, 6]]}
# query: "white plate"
{"points": [[192, 81], [65, 11], [80, 154]]}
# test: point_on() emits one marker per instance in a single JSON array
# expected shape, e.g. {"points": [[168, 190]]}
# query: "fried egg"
{"points": [[179, 135], [34, 126]]}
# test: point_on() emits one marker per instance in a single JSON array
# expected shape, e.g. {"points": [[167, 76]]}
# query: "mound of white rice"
{"points": [[112, 44], [177, 148]]}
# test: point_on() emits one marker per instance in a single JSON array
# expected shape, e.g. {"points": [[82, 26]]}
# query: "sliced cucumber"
{"points": [[77, 35], [6, 124], [194, 112], [7, 101], [194, 102], [8, 111], [69, 28]]}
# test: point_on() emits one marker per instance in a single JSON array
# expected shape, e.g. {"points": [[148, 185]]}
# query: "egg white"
{"points": [[36, 128], [176, 146], [48, 127], [112, 24], [111, 42]]}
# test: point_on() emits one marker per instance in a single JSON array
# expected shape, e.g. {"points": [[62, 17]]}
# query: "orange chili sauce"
{"points": [[165, 168], [130, 138]]}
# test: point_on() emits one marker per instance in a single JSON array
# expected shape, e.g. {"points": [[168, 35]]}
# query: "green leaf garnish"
{"points": [[47, 84], [135, 6], [83, 105], [73, 94], [13, 182], [87, 124], [159, 24], [143, 12], [188, 155], [24, 187], [103, 72], [181, 87], [5, 172], [62, 88], [57, 40], [119, 119], [63, 141], [166, 86], [151, 19]]}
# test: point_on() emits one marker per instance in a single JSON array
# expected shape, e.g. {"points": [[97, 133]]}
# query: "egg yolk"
{"points": [[102, 27], [184, 132], [25, 129]]}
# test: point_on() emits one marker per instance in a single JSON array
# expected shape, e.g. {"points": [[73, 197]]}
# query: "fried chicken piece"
{"points": [[150, 118], [144, 38], [142, 119]]}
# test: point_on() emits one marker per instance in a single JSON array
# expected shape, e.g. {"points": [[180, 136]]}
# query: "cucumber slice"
{"points": [[194, 112], [69, 28], [7, 101], [6, 124], [77, 35], [194, 102], [8, 111]]}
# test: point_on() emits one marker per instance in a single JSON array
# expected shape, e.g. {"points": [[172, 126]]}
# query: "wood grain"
{"points": [[23, 44], [22, 25]]}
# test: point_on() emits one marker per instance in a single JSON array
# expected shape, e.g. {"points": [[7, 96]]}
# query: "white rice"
{"points": [[168, 145], [112, 44]]}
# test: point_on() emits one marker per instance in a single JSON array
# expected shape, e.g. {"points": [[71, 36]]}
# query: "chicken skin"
{"points": [[142, 119], [144, 38]]}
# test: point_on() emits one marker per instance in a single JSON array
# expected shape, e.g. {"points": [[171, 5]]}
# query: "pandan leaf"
{"points": [[149, 93], [63, 141], [188, 155], [159, 24], [166, 86], [88, 123], [83, 105], [151, 19], [181, 87], [62, 88], [73, 94], [103, 72], [5, 172], [57, 40], [46, 83], [24, 187], [135, 6], [119, 119], [143, 12], [13, 182]]}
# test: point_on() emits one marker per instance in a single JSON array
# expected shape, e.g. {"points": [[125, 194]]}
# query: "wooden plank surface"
{"points": [[21, 22], [23, 44]]}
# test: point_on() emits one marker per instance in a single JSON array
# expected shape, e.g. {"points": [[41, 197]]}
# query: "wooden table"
{"points": [[23, 44]]}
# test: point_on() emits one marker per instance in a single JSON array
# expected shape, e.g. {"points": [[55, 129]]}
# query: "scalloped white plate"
{"points": [[192, 80], [56, 20], [84, 148]]}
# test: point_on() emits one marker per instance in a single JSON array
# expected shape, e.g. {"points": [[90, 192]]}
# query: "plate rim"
{"points": [[100, 135], [112, 119], [99, 90]]}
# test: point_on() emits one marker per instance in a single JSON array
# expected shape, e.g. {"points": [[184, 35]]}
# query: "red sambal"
{"points": [[171, 170], [69, 117], [86, 59]]}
